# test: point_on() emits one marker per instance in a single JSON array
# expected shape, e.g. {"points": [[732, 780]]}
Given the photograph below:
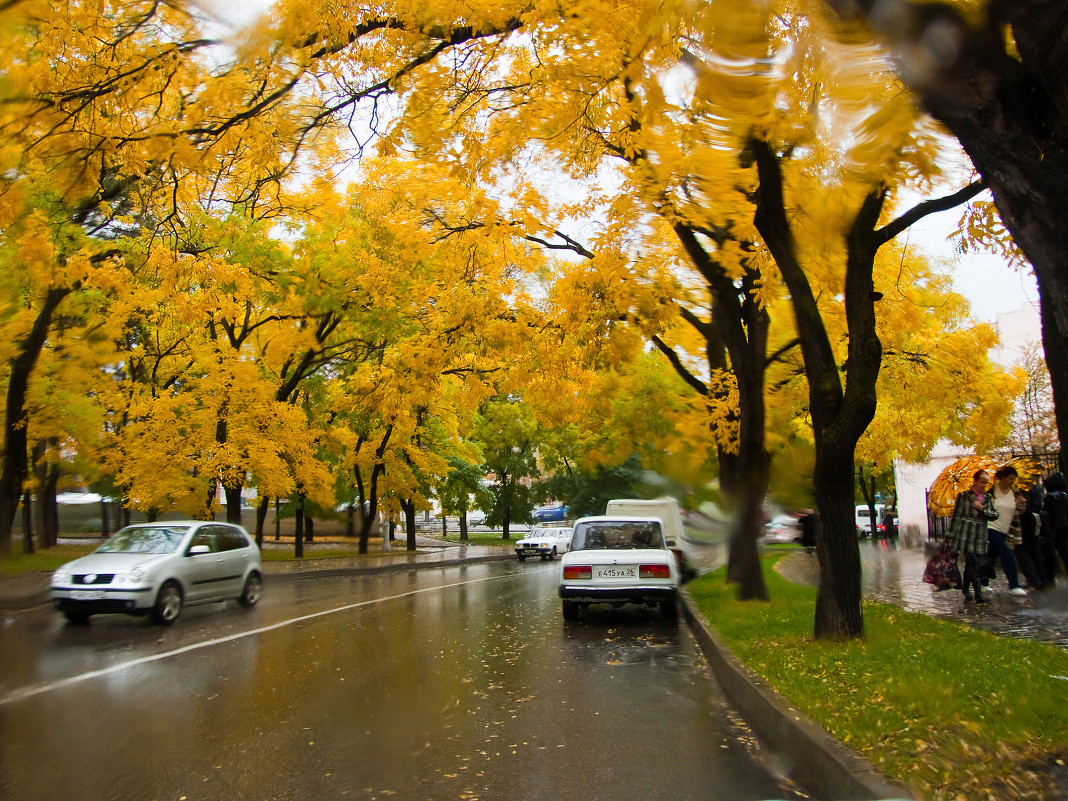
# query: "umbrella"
{"points": [[958, 476]]}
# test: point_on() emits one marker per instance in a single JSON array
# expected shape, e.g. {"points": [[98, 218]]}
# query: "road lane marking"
{"points": [[39, 689]]}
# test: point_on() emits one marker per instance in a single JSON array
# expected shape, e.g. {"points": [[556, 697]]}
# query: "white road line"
{"points": [[39, 689]]}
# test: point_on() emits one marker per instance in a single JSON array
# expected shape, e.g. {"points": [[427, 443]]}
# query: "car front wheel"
{"points": [[76, 617], [168, 604], [571, 610], [669, 609], [250, 595]]}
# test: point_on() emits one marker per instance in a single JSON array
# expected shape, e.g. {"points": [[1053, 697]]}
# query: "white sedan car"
{"points": [[783, 529], [545, 542], [157, 568], [619, 560]]}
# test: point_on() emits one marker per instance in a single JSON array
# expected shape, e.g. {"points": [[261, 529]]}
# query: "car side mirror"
{"points": [[671, 543], [196, 550]]}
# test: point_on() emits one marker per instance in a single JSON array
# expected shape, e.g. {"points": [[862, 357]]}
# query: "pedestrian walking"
{"points": [[1028, 553], [1055, 514], [972, 513], [1004, 530]]}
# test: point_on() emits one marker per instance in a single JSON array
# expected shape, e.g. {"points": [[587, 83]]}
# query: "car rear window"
{"points": [[617, 535]]}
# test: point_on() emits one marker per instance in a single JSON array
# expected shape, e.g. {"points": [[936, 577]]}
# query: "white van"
{"points": [[863, 523], [667, 511]]}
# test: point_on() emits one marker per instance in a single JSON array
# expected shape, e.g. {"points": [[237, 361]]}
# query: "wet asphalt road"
{"points": [[458, 683]]}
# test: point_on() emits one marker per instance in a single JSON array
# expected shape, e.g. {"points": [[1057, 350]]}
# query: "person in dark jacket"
{"points": [[1027, 553], [1055, 511]]}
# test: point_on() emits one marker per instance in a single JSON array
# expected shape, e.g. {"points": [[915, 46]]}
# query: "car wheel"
{"points": [[250, 595], [168, 604], [552, 555], [522, 558], [76, 617], [571, 610], [669, 609]]}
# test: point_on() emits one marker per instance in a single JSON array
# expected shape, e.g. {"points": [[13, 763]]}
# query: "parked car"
{"points": [[555, 513], [158, 568], [863, 520], [476, 517], [545, 542], [618, 560], [782, 529]]}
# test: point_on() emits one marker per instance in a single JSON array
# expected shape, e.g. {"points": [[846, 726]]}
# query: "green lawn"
{"points": [[46, 560], [952, 712], [481, 538]]}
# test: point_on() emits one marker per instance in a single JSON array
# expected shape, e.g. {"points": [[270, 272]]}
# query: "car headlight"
{"points": [[61, 577], [135, 576]]}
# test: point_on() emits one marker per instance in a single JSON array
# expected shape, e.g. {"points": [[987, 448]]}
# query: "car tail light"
{"points": [[578, 572], [654, 571]]}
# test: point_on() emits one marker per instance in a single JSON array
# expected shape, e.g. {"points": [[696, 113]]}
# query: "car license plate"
{"points": [[627, 571], [86, 595]]}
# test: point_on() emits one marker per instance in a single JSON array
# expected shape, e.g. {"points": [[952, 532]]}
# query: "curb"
{"points": [[813, 758]]}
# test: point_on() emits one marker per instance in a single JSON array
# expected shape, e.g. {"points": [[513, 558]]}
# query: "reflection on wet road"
{"points": [[459, 683]]}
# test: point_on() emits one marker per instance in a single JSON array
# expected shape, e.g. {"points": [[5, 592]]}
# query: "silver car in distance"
{"points": [[157, 568]]}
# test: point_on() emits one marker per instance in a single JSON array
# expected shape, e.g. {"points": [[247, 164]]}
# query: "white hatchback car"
{"points": [[619, 560], [157, 568], [545, 542]]}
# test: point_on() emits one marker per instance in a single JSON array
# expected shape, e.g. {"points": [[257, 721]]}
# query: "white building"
{"points": [[1016, 329]]}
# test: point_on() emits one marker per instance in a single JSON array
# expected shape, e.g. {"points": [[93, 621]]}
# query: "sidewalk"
{"points": [[892, 575]]}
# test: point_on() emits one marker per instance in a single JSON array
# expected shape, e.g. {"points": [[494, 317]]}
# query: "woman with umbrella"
{"points": [[972, 513]]}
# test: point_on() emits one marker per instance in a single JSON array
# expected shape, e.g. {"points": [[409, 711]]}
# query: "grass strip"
{"points": [[952, 712], [43, 559], [487, 538]]}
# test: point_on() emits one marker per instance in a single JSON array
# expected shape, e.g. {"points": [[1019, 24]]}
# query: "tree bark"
{"points": [[47, 479], [739, 326], [298, 528], [261, 518], [13, 470], [27, 523], [408, 507]]}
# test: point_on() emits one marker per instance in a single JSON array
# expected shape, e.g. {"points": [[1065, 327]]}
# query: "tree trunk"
{"points": [[839, 613], [408, 507], [463, 524], [27, 523], [738, 329], [309, 529], [47, 475], [298, 528], [13, 469], [261, 518], [839, 417], [277, 519], [233, 503]]}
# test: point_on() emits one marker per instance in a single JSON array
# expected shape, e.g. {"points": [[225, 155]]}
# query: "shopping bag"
{"points": [[941, 570]]}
